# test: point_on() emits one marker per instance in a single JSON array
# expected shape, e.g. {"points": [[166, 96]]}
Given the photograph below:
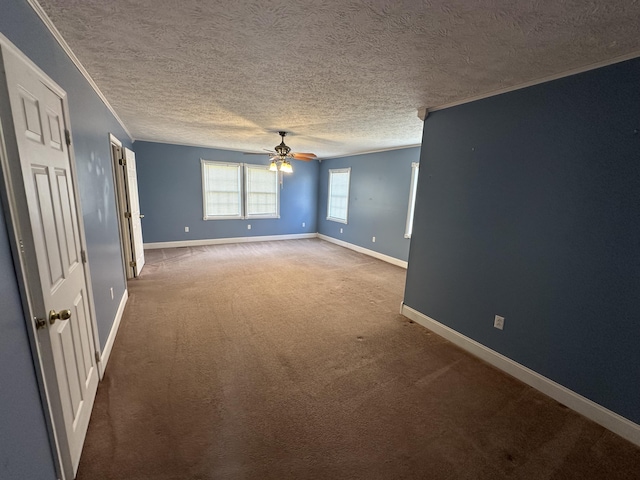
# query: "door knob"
{"points": [[61, 315], [141, 215]]}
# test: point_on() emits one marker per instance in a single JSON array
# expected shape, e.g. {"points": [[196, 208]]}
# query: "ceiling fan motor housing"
{"points": [[282, 149]]}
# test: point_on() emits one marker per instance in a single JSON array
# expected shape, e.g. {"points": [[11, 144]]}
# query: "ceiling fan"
{"points": [[281, 154]]}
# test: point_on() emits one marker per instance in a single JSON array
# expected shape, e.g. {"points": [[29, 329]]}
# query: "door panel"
{"points": [[68, 222], [76, 321], [83, 339], [55, 131], [51, 203], [45, 222], [63, 334], [31, 114]]}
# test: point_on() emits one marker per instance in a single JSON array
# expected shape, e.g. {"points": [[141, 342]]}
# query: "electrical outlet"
{"points": [[186, 229], [304, 224], [111, 293], [498, 322], [248, 227], [373, 239], [340, 230]]}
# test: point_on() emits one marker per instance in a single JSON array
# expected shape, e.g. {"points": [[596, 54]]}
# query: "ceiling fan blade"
{"points": [[306, 157], [312, 155]]}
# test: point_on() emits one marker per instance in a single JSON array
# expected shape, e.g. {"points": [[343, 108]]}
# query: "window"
{"points": [[221, 190], [261, 190], [338, 197], [412, 199], [225, 194]]}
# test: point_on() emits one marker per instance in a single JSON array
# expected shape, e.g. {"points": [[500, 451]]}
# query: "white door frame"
{"points": [[119, 183], [14, 202]]}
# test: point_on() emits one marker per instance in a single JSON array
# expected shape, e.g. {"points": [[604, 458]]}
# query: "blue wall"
{"points": [[170, 189], [378, 200], [528, 206], [24, 449], [24, 445]]}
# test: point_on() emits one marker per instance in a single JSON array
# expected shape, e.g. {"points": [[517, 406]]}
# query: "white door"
{"points": [[62, 288], [135, 225]]}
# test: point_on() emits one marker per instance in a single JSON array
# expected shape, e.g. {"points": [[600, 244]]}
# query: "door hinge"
{"points": [[83, 255], [40, 322], [97, 356], [133, 263], [67, 137], [122, 161], [127, 214]]}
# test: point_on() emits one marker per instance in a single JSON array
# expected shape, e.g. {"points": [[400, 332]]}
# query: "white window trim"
{"points": [[247, 166], [240, 216], [415, 169], [242, 182], [339, 170]]}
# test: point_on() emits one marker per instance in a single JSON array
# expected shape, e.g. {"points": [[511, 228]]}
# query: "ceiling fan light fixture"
{"points": [[279, 157], [286, 167]]}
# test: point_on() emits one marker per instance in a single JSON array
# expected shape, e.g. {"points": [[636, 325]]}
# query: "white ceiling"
{"points": [[343, 76]]}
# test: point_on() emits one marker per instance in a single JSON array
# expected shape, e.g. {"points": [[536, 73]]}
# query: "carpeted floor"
{"points": [[289, 360]]}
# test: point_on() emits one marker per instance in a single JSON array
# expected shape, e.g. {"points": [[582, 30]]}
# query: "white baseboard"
{"points": [[366, 251], [593, 411], [106, 351], [220, 241]]}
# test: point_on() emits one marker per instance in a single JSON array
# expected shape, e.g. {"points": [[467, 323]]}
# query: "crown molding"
{"points": [[367, 152], [197, 145], [187, 144], [65, 46]]}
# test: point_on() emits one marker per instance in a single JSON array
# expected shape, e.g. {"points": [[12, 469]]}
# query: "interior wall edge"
{"points": [[590, 409]]}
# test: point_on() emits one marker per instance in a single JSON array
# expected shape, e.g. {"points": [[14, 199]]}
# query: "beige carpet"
{"points": [[289, 360]]}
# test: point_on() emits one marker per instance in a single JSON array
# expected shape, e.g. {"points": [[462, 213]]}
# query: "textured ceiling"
{"points": [[344, 76]]}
